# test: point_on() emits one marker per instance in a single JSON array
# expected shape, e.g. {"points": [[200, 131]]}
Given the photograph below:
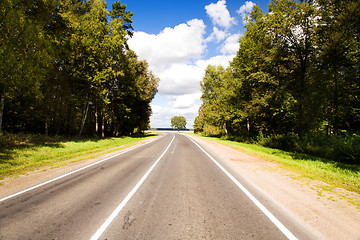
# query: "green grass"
{"points": [[341, 175], [22, 153]]}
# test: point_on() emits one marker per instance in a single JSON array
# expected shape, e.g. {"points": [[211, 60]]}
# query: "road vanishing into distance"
{"points": [[168, 188]]}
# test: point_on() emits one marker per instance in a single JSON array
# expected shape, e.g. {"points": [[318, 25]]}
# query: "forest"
{"points": [[294, 83], [66, 69]]}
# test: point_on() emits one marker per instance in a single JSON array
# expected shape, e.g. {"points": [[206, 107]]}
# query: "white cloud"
{"points": [[246, 8], [185, 101], [219, 14], [171, 55], [216, 35], [179, 91], [162, 115], [231, 44], [180, 79], [184, 79], [177, 56], [173, 45], [222, 60]]}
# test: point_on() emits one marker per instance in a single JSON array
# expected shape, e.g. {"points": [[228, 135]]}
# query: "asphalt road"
{"points": [[167, 189]]}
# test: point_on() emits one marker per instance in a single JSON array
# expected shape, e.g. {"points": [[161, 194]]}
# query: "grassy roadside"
{"points": [[336, 174], [23, 153]]}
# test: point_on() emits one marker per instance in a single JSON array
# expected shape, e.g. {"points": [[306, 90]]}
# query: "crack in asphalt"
{"points": [[128, 220]]}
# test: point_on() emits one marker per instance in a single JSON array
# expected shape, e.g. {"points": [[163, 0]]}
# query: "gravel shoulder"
{"points": [[328, 211]]}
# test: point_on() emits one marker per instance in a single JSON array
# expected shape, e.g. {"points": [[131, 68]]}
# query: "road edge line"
{"points": [[72, 172], [267, 213], [114, 214]]}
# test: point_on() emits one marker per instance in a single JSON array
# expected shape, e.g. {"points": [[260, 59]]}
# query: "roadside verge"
{"points": [[327, 212], [13, 184]]}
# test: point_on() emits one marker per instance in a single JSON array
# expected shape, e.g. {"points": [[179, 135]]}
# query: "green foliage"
{"points": [[217, 89], [339, 148], [67, 69], [295, 77], [178, 122], [211, 131]]}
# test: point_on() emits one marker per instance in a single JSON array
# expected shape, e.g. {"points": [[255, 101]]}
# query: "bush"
{"points": [[211, 131], [288, 142], [340, 148]]}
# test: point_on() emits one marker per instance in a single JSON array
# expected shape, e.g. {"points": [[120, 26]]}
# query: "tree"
{"points": [[217, 90], [339, 60], [24, 48], [178, 122], [66, 69], [296, 72]]}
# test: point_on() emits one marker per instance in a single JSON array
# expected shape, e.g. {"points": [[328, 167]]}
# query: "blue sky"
{"points": [[179, 39]]}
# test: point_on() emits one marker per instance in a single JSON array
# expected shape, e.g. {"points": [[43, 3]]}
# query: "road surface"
{"points": [[170, 188]]}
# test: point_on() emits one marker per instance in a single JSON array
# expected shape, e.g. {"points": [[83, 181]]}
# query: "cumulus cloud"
{"points": [[185, 101], [219, 14], [173, 55], [177, 56], [231, 44], [216, 35], [173, 45], [180, 79], [222, 60], [181, 86], [162, 114], [246, 8]]}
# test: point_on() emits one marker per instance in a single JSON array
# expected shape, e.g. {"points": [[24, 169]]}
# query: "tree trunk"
{"points": [[335, 104], [103, 124], [86, 108], [248, 126], [46, 127], [96, 121], [226, 131], [2, 104]]}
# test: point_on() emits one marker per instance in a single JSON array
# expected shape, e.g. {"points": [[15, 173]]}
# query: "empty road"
{"points": [[170, 188]]}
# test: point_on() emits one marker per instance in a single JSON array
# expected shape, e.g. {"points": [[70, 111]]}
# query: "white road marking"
{"points": [[108, 221], [67, 174], [272, 218]]}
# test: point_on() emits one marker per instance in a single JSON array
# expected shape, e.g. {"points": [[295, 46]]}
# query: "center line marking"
{"points": [[108, 221], [267, 213]]}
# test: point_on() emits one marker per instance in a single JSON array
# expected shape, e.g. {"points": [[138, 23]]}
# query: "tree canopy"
{"points": [[178, 122], [297, 71], [66, 68]]}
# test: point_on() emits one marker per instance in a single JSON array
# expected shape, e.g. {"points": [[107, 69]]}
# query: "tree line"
{"points": [[66, 69], [297, 72]]}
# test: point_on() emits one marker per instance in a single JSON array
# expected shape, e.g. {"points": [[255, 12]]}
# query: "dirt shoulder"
{"points": [[331, 212]]}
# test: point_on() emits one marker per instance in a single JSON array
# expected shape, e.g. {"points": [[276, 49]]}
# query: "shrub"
{"points": [[340, 148], [288, 142], [211, 131]]}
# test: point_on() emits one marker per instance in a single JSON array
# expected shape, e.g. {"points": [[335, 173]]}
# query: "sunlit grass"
{"points": [[337, 174], [22, 153]]}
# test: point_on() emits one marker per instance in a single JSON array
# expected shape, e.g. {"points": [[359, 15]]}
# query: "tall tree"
{"points": [[217, 88], [24, 49], [296, 70], [339, 63], [294, 25], [67, 69]]}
